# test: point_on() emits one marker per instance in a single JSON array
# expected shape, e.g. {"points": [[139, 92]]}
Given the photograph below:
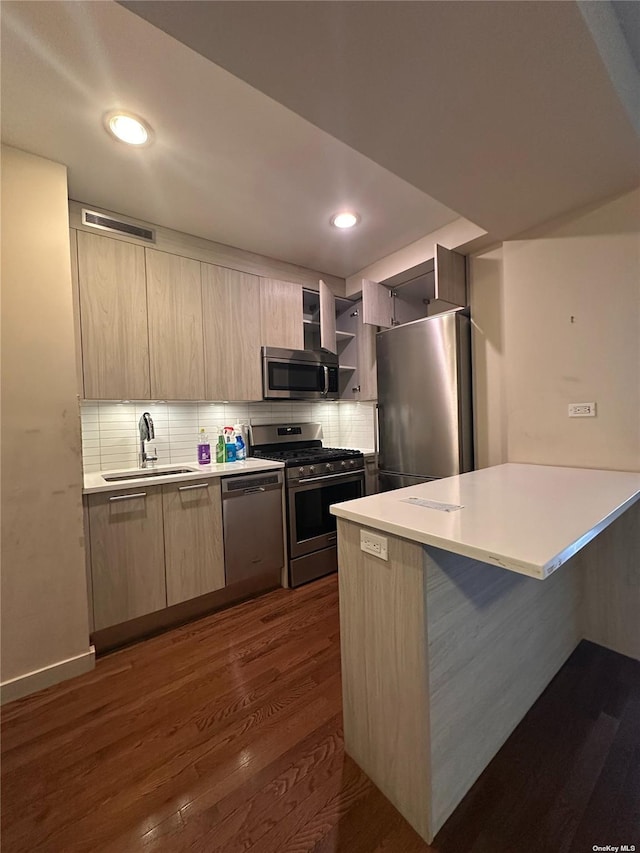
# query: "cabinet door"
{"points": [[232, 338], [327, 319], [450, 272], [174, 299], [377, 304], [113, 314], [281, 314], [366, 342], [193, 539], [127, 555]]}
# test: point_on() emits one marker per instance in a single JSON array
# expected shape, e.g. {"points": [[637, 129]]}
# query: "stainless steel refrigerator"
{"points": [[425, 425]]}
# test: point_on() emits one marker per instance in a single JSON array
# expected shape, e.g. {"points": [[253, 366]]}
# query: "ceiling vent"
{"points": [[116, 226]]}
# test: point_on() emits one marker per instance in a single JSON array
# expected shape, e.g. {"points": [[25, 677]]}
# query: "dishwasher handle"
{"points": [[251, 484]]}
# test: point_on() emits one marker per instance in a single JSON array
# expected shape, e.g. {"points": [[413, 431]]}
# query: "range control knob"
{"points": [[301, 470], [328, 466], [344, 464], [311, 469], [352, 463]]}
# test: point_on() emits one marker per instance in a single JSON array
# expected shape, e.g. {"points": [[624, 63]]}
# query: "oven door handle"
{"points": [[330, 477]]}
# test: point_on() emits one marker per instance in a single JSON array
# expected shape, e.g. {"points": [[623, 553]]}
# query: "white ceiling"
{"points": [[503, 111], [228, 163]]}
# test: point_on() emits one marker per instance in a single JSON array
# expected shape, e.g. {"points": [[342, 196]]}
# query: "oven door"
{"points": [[311, 525]]}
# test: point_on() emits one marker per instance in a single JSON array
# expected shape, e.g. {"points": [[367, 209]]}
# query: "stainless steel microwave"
{"points": [[299, 375]]}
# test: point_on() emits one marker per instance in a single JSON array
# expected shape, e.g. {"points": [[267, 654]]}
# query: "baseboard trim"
{"points": [[31, 682]]}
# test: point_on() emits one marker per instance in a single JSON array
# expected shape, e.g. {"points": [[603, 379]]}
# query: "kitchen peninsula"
{"points": [[484, 585]]}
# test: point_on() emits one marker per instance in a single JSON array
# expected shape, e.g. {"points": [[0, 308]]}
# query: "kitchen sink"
{"points": [[143, 474]]}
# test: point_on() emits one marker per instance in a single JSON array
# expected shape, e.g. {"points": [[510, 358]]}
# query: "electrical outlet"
{"points": [[371, 543], [582, 410]]}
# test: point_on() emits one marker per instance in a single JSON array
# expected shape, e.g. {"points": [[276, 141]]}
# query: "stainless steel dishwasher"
{"points": [[253, 529]]}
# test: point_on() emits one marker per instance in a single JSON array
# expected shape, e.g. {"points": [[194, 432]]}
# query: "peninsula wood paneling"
{"points": [[127, 555], [611, 565], [174, 300], [281, 314], [113, 310], [385, 670], [194, 550], [232, 338], [495, 641]]}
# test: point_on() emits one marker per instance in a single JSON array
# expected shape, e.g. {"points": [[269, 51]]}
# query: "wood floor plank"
{"points": [[225, 735]]}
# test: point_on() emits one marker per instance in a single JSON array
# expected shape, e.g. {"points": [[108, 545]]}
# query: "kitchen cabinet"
{"points": [[174, 307], [113, 312], [281, 314], [232, 335], [194, 552], [127, 555], [354, 341], [328, 338], [437, 284]]}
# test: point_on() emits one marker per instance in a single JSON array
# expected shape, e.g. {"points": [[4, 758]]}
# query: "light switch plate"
{"points": [[373, 544]]}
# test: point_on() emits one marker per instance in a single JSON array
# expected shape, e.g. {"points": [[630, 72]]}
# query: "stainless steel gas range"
{"points": [[315, 478]]}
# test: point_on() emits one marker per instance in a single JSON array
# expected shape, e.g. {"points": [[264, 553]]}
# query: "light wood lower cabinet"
{"points": [[194, 552], [127, 555]]}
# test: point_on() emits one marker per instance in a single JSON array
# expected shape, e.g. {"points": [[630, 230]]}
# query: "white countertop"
{"points": [[94, 481], [526, 518]]}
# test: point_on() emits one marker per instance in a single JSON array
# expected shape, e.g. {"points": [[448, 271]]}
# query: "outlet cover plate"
{"points": [[582, 410], [373, 544]]}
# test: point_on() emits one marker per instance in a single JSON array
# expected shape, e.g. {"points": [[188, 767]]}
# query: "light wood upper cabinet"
{"points": [[450, 276], [194, 549], [174, 300], [232, 337], [366, 347], [113, 312], [327, 319], [377, 304], [127, 555], [281, 314]]}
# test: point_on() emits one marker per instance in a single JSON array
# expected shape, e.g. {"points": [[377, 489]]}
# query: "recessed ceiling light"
{"points": [[345, 219], [128, 128]]}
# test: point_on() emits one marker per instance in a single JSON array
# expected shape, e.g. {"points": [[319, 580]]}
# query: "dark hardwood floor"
{"points": [[225, 735]]}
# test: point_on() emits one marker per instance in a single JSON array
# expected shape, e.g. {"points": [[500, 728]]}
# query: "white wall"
{"points": [[45, 632], [531, 359], [487, 336]]}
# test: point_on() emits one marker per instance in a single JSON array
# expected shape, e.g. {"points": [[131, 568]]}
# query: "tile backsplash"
{"points": [[110, 430]]}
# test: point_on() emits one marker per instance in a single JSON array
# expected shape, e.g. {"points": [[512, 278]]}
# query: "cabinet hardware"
{"points": [[355, 313], [356, 389], [128, 497], [195, 486]]}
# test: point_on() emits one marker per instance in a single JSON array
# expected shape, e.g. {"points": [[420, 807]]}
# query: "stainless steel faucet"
{"points": [[145, 426]]}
